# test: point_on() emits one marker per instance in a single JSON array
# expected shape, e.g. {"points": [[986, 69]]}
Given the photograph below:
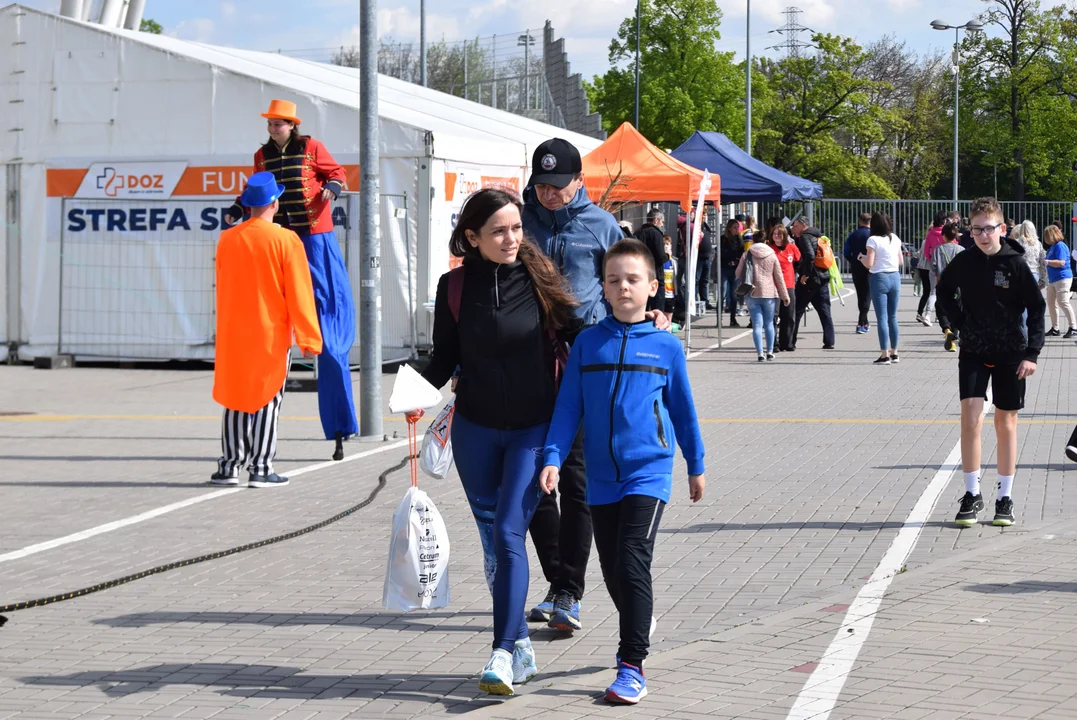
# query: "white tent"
{"points": [[122, 149]]}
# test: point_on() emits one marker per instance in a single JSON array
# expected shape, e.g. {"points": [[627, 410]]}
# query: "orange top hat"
{"points": [[281, 110]]}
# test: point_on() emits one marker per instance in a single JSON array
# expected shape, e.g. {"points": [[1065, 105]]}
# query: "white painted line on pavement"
{"points": [[744, 334], [157, 512], [820, 693]]}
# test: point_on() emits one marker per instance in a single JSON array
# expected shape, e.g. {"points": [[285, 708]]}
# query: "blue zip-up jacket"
{"points": [[575, 238], [856, 244], [636, 405]]}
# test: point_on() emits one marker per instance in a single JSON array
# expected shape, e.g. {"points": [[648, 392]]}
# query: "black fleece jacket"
{"points": [[500, 345], [984, 297]]}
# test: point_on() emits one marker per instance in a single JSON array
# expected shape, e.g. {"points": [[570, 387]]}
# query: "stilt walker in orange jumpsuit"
{"points": [[312, 180], [264, 300]]}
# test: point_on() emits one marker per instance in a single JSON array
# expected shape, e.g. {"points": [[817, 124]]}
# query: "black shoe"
{"points": [[791, 348], [543, 611], [1003, 512], [1071, 452], [970, 506], [1069, 333], [219, 478], [761, 359], [266, 481], [1053, 332], [770, 356], [881, 361], [894, 359], [733, 322], [828, 347], [708, 307]]}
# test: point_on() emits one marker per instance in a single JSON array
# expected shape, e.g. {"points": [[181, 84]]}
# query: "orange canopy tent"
{"points": [[640, 172]]}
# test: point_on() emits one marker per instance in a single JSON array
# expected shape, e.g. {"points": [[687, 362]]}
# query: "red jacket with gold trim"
{"points": [[304, 167]]}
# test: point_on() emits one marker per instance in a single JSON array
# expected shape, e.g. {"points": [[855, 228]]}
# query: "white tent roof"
{"points": [[458, 126]]}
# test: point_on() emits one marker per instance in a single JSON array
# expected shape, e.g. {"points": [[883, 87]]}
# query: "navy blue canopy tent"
{"points": [[744, 179]]}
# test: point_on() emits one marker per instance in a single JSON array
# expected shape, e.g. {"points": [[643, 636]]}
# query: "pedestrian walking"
{"points": [[924, 268], [855, 246], [882, 258], [813, 281], [1059, 279], [995, 286], [635, 405], [496, 320], [731, 249], [312, 180], [942, 257], [768, 286], [264, 300], [788, 257], [574, 234]]}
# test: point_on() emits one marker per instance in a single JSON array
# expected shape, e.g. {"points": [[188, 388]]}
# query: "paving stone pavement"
{"points": [[814, 462]]}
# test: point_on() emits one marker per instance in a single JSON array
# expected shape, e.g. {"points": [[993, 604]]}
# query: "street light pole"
{"points": [[971, 26], [639, 3], [748, 72], [422, 42]]}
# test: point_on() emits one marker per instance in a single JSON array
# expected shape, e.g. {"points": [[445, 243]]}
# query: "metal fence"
{"points": [[911, 219], [137, 278]]}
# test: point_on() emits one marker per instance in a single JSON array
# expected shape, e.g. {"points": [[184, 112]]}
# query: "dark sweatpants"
{"points": [[625, 532]]}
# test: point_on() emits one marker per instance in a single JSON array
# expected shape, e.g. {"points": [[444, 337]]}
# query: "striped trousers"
{"points": [[250, 439]]}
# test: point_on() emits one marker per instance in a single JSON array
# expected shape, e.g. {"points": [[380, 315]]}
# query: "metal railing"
{"points": [[137, 278]]}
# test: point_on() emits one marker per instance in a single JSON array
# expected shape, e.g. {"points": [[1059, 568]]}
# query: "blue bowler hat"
{"points": [[262, 189]]}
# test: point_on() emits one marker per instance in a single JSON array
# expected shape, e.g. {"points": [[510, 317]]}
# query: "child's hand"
{"points": [[548, 479], [696, 483], [1026, 369]]}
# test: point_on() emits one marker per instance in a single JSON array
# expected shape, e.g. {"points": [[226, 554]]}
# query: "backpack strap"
{"points": [[456, 291]]}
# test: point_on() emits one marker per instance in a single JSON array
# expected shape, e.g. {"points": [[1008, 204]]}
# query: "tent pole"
{"points": [[370, 423]]}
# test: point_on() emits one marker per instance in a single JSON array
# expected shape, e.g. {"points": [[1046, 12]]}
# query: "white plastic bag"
{"points": [[418, 574], [412, 392], [435, 459]]}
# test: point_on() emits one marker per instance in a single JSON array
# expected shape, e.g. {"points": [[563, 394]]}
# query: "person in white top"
{"points": [[883, 260]]}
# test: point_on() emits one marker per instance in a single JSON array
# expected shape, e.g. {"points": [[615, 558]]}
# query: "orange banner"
{"points": [[218, 181]]}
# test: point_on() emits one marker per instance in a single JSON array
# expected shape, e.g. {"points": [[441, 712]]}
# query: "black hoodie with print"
{"points": [[984, 297]]}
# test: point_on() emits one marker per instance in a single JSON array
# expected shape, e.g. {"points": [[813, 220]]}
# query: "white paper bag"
{"points": [[412, 392], [435, 459], [417, 577]]}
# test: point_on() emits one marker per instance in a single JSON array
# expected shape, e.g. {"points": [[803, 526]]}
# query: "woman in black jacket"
{"points": [[510, 307]]}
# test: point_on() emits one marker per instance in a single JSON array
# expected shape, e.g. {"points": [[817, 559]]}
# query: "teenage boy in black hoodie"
{"points": [[995, 286]]}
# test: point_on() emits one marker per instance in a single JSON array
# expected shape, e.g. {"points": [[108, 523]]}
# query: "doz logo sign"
{"points": [[131, 180]]}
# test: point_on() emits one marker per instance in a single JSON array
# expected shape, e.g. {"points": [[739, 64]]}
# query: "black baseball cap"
{"points": [[555, 162]]}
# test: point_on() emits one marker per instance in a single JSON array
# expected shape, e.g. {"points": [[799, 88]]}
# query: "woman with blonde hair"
{"points": [[1059, 278]]}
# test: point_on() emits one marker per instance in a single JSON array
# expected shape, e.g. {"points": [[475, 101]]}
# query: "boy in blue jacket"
{"points": [[635, 405]]}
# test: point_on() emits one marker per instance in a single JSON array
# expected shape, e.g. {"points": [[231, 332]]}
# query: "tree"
{"points": [[150, 26], [686, 84], [818, 119], [1018, 99]]}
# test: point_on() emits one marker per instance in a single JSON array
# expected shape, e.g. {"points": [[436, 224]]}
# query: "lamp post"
{"points": [[971, 26], [527, 40], [638, 8], [422, 42], [748, 72]]}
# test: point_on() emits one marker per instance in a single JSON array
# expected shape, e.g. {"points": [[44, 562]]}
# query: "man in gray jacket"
{"points": [[575, 234]]}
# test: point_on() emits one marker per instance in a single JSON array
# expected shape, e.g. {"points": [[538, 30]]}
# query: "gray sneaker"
{"points": [[266, 481]]}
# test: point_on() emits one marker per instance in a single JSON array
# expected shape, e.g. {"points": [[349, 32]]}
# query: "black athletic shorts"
{"points": [[1007, 390]]}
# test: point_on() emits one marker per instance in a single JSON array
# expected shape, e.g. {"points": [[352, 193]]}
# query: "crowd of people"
{"points": [[571, 394]]}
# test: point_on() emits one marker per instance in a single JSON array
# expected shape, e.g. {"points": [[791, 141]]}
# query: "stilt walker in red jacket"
{"points": [[312, 180]]}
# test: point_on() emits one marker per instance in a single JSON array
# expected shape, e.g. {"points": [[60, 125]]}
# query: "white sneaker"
{"points": [[523, 662], [922, 320], [654, 625], [496, 677]]}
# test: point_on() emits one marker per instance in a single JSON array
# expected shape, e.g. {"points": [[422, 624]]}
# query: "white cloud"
{"points": [[576, 17], [401, 23], [229, 10]]}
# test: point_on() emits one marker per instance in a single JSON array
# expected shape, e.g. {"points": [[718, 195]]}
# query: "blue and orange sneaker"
{"points": [[630, 686], [566, 613]]}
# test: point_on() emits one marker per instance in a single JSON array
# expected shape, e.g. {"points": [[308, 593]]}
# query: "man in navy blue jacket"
{"points": [[855, 246], [636, 406], [575, 234]]}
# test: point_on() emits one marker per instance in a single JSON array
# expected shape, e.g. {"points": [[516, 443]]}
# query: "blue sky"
{"points": [[587, 25]]}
